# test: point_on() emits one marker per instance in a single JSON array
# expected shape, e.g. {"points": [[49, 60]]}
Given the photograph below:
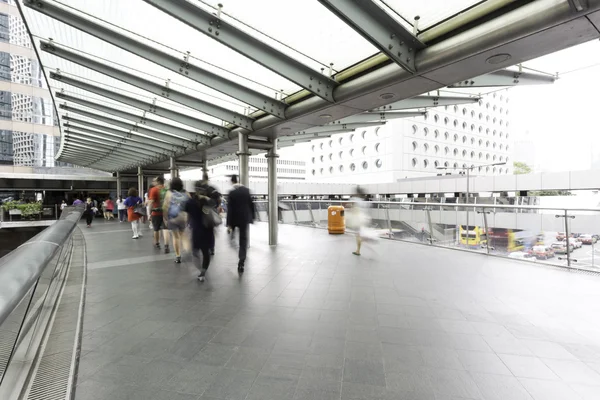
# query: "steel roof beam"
{"points": [[116, 148], [426, 101], [142, 120], [89, 149], [307, 137], [505, 77], [164, 91], [115, 139], [238, 40], [81, 157], [379, 28], [135, 139], [143, 105], [374, 117], [181, 65], [168, 139], [337, 127]]}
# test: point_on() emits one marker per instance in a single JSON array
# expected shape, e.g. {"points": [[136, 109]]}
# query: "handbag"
{"points": [[211, 217], [139, 209]]}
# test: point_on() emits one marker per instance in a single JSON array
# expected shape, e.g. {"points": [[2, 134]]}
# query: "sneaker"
{"points": [[212, 252], [167, 250], [178, 260], [241, 266], [157, 245], [135, 237], [202, 277], [140, 235]]}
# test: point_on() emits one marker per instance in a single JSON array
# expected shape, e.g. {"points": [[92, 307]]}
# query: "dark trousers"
{"points": [[243, 242], [205, 258], [211, 245], [122, 215], [89, 217]]}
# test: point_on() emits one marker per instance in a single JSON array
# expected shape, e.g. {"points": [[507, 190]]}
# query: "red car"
{"points": [[587, 239]]}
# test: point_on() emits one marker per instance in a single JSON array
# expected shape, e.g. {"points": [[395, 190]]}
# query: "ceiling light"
{"points": [[325, 116], [387, 96], [286, 128], [498, 58]]}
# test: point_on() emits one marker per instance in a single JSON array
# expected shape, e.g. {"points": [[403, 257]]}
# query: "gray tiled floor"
{"points": [[308, 320]]}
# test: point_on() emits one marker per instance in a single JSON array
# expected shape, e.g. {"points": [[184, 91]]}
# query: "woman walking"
{"points": [[89, 212], [131, 202], [122, 209], [202, 221], [173, 213], [108, 209]]}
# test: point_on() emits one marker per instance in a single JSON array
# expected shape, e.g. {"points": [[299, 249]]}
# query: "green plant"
{"points": [[28, 210]]}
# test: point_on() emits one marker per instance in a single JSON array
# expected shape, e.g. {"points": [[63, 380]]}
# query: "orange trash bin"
{"points": [[336, 223]]}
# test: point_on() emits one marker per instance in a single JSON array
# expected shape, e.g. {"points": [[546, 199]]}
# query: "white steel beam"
{"points": [[341, 126], [164, 91], [179, 65], [141, 120], [505, 77], [375, 117], [75, 137], [102, 153], [117, 149], [187, 143], [236, 39], [427, 101], [307, 137], [137, 142], [207, 127], [379, 28]]}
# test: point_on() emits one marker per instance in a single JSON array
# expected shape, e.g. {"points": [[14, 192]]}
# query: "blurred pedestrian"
{"points": [[174, 214], [89, 212], [240, 214], [134, 205], [122, 208]]}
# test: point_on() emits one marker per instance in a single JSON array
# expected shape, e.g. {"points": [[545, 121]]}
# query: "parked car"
{"points": [[560, 236], [588, 239], [542, 252], [576, 243], [561, 247], [522, 255]]}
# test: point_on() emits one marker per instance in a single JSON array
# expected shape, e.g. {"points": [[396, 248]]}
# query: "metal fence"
{"points": [[527, 232]]}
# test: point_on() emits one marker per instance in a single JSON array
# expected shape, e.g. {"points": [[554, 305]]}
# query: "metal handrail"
{"points": [[21, 268], [470, 205]]}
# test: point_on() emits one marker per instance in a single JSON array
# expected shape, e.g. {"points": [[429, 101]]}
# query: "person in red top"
{"points": [[108, 211], [156, 197]]}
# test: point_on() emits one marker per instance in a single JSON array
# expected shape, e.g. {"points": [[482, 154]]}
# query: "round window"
{"points": [[352, 167], [378, 163], [365, 165]]}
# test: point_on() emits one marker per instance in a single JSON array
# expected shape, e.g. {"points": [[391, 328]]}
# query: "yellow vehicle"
{"points": [[477, 237], [512, 240]]}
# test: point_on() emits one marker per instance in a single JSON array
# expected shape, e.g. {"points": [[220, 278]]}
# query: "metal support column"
{"points": [[273, 199], [140, 182], [173, 168], [244, 154], [119, 185], [204, 167]]}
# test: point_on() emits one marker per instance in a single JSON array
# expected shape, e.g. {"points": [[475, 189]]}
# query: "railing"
{"points": [[526, 232], [31, 279]]}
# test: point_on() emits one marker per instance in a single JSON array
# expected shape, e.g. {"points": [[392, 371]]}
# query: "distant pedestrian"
{"points": [[108, 209], [89, 212], [132, 202], [122, 208], [240, 214], [77, 202], [156, 197]]}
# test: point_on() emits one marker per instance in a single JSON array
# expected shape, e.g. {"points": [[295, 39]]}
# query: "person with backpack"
{"points": [[203, 220], [133, 204], [176, 218], [156, 197]]}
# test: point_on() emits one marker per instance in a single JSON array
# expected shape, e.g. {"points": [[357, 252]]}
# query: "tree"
{"points": [[520, 168]]}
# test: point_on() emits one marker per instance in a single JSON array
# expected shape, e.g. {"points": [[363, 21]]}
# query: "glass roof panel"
{"points": [[430, 12]]}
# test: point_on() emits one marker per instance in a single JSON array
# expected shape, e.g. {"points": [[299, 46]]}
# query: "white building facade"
{"points": [[453, 137], [287, 169]]}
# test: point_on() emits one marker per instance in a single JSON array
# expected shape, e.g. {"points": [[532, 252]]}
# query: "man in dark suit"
{"points": [[240, 213]]}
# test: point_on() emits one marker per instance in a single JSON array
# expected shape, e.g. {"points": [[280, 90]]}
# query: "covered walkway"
{"points": [[308, 320]]}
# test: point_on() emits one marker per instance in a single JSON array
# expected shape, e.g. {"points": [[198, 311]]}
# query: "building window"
{"points": [[330, 156], [321, 171], [472, 154], [425, 147], [351, 152], [415, 146], [446, 120], [494, 133], [487, 156], [378, 163], [425, 132], [464, 139], [472, 141], [322, 158], [313, 171], [500, 171], [472, 127], [313, 160], [487, 105], [487, 144], [436, 134], [377, 131], [352, 138], [436, 164], [414, 129], [455, 123], [341, 154], [321, 146], [364, 150], [455, 108], [494, 145], [446, 135], [313, 147], [331, 143], [352, 167], [341, 140], [363, 134], [494, 158], [455, 152], [480, 116], [455, 137], [480, 155], [464, 110], [446, 150], [365, 165], [341, 168], [425, 163], [331, 170], [436, 118], [377, 148], [464, 153], [487, 118], [446, 164], [436, 149], [480, 129], [473, 114], [455, 165], [414, 162]]}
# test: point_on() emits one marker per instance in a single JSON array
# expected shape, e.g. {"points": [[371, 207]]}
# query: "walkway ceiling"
{"points": [[131, 93]]}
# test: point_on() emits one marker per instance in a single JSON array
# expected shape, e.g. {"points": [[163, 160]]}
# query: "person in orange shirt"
{"points": [[156, 198]]}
